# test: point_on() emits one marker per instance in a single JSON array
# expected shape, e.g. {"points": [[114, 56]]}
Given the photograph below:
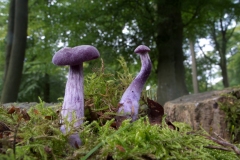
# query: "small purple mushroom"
{"points": [[73, 103], [129, 103]]}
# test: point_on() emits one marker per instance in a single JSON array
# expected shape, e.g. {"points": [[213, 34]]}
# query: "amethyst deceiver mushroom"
{"points": [[73, 103], [129, 103]]}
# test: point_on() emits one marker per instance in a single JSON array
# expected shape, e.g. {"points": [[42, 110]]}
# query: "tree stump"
{"points": [[202, 110]]}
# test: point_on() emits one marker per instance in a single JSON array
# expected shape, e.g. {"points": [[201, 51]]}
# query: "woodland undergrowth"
{"points": [[34, 133]]}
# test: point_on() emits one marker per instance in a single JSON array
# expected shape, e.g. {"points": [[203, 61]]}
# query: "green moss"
{"points": [[139, 140], [102, 92], [40, 138], [230, 104]]}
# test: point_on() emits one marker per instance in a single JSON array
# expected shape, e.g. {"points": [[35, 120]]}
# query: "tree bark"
{"points": [[16, 61], [169, 40], [9, 37], [46, 92], [194, 67], [223, 66], [223, 59]]}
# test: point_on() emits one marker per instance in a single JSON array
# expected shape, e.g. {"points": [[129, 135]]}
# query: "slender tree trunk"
{"points": [[9, 37], [46, 95], [223, 60], [223, 66], [16, 61], [194, 67], [221, 47], [171, 74]]}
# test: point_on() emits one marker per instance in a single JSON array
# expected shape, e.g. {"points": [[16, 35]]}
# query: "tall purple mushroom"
{"points": [[129, 103], [74, 99]]}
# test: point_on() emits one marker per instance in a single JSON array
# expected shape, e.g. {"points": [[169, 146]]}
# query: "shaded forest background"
{"points": [[32, 31]]}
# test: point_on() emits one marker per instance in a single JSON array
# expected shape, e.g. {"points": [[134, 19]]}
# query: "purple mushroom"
{"points": [[129, 103], [74, 99]]}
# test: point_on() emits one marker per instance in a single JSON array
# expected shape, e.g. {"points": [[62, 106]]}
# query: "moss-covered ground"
{"points": [[34, 133]]}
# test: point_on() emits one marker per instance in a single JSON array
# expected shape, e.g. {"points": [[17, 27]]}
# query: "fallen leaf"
{"points": [[4, 127], [119, 120], [120, 148], [11, 110], [35, 111], [49, 117], [155, 112], [25, 115], [18, 110]]}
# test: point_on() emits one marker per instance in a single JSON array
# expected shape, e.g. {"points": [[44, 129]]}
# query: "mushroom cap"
{"points": [[142, 49], [75, 55]]}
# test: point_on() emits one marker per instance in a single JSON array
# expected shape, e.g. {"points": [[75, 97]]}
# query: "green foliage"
{"points": [[42, 79], [54, 24], [204, 73], [234, 69], [234, 60]]}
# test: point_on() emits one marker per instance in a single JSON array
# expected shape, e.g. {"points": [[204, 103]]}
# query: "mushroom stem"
{"points": [[143, 75], [74, 99], [129, 103]]}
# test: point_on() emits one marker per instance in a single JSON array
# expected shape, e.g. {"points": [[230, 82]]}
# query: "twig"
{"points": [[217, 147], [225, 144], [221, 142], [219, 136]]}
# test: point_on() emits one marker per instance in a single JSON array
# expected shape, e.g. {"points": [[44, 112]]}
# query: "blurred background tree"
{"points": [[116, 28], [15, 49]]}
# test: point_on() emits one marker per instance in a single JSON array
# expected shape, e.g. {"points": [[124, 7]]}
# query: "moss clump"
{"points": [[102, 92], [141, 140], [230, 104]]}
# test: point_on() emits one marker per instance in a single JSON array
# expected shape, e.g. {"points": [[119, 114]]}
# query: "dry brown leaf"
{"points": [[25, 115], [11, 110], [35, 111], [4, 127], [49, 117], [120, 148], [155, 112]]}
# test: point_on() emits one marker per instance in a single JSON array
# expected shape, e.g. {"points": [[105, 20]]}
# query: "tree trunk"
{"points": [[9, 37], [221, 47], [223, 60], [46, 92], [16, 61], [194, 67], [171, 73], [223, 67]]}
